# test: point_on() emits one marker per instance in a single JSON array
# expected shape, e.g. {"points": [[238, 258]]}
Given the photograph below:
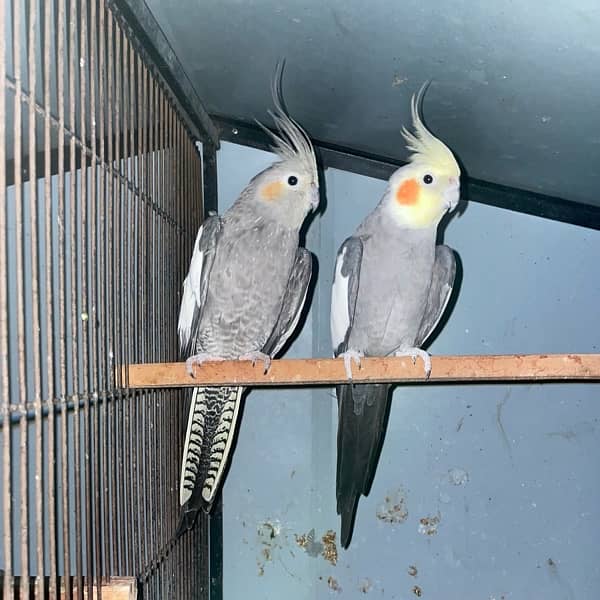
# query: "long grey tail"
{"points": [[212, 422], [363, 413]]}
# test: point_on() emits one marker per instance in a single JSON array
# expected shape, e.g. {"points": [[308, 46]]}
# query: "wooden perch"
{"points": [[322, 371], [118, 588]]}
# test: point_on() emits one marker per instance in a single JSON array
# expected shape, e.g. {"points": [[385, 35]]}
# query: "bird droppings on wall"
{"points": [[429, 525], [326, 548], [306, 541], [398, 80], [412, 571], [458, 476], [333, 584], [365, 585], [268, 541], [329, 547], [417, 591], [394, 509], [565, 586]]}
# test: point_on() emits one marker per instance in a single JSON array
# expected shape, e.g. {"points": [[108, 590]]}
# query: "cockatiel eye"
{"points": [[428, 179], [292, 180]]}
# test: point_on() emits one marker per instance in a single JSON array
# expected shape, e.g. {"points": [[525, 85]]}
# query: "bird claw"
{"points": [[349, 356], [255, 356], [199, 359], [413, 353]]}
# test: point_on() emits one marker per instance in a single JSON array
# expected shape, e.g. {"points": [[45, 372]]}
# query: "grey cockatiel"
{"points": [[391, 286], [243, 296]]}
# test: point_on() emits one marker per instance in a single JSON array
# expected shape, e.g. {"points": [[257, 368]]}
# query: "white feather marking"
{"points": [[340, 313], [210, 487], [190, 299], [185, 492]]}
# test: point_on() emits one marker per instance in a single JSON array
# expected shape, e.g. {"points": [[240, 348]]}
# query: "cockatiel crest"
{"points": [[428, 186], [290, 185], [291, 143]]}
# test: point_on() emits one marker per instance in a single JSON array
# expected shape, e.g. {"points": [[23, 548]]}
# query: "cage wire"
{"points": [[100, 199]]}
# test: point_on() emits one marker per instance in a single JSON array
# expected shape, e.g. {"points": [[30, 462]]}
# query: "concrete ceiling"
{"points": [[515, 92]]}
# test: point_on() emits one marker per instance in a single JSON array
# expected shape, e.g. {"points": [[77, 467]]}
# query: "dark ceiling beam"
{"points": [[380, 167]]}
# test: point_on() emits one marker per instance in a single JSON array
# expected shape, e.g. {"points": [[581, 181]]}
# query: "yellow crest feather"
{"points": [[426, 148]]}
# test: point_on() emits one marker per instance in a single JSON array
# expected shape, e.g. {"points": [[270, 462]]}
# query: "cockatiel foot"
{"points": [[200, 359], [256, 356], [413, 353], [349, 356]]}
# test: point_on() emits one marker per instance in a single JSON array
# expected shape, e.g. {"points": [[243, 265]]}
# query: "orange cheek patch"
{"points": [[408, 192], [272, 191]]}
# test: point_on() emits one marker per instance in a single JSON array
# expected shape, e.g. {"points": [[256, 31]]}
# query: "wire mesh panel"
{"points": [[100, 199]]}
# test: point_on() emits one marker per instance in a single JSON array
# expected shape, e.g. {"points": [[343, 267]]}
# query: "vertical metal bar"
{"points": [[162, 285], [209, 165], [130, 262], [124, 284], [101, 277], [163, 195], [24, 581], [178, 205], [94, 515], [149, 282], [132, 296], [64, 457], [140, 305], [86, 491], [4, 374], [186, 215], [115, 302], [163, 203], [111, 444], [180, 187], [75, 363], [35, 301], [50, 270]]}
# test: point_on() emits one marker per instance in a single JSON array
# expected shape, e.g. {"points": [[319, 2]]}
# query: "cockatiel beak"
{"points": [[452, 193], [314, 197]]}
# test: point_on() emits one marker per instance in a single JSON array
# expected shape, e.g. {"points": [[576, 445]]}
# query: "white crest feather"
{"points": [[425, 147], [291, 142]]}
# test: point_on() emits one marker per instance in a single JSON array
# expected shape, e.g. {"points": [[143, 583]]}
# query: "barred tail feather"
{"points": [[212, 423]]}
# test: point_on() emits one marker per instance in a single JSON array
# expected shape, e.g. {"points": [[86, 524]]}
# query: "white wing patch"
{"points": [[340, 314], [191, 288]]}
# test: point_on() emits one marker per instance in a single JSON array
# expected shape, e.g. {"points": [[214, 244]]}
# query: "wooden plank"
{"points": [[117, 588], [320, 371]]}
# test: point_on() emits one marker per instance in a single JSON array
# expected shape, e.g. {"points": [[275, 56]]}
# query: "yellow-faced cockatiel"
{"points": [[391, 286], [243, 296]]}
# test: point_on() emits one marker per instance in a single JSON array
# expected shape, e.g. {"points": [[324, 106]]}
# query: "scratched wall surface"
{"points": [[482, 492]]}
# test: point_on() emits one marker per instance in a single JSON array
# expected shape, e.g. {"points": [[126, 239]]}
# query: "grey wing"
{"points": [[444, 271], [292, 303], [344, 292], [195, 285]]}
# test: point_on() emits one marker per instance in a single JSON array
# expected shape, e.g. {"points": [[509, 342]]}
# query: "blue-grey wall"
{"points": [[509, 471]]}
